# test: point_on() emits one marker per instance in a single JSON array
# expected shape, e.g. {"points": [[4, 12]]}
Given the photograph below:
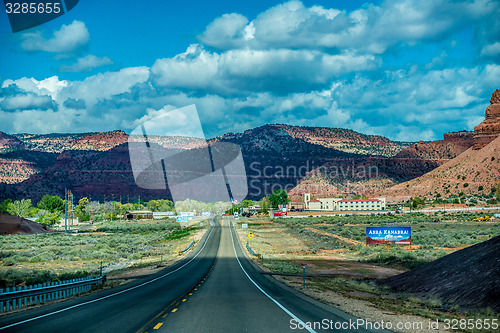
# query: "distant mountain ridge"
{"points": [[59, 142], [276, 156], [10, 143], [341, 139]]}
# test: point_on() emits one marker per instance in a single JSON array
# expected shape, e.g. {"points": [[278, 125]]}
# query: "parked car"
{"points": [[280, 213]]}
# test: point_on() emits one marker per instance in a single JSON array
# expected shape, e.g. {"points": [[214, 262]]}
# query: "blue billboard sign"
{"points": [[181, 218], [388, 235]]}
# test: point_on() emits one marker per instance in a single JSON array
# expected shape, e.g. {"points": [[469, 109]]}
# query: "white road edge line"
{"points": [[111, 295], [268, 296]]}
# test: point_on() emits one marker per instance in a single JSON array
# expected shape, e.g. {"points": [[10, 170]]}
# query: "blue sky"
{"points": [[408, 70]]}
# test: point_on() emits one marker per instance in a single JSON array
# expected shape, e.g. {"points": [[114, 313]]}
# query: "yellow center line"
{"points": [[157, 326], [184, 300], [166, 314], [174, 310], [190, 294]]}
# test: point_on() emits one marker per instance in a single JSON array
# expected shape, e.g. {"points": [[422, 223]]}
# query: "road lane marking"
{"points": [[111, 295], [262, 290], [184, 300], [157, 326], [174, 310]]}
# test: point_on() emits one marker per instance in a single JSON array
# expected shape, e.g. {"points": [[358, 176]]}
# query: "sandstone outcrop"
{"points": [[489, 129], [452, 145]]}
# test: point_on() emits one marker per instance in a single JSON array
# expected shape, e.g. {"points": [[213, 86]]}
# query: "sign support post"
{"points": [[304, 277]]}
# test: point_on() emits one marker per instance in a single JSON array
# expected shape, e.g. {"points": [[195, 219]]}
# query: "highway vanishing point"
{"points": [[215, 288]]}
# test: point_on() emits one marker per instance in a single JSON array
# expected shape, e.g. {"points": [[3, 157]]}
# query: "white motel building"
{"points": [[338, 204]]}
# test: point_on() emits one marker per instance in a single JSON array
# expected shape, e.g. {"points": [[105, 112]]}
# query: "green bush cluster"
{"points": [[12, 277], [398, 256], [122, 240]]}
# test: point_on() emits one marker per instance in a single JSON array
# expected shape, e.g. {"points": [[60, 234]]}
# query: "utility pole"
{"points": [[72, 210], [69, 207], [65, 210]]}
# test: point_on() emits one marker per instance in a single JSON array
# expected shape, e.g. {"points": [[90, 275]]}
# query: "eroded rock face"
{"points": [[452, 145], [489, 129]]}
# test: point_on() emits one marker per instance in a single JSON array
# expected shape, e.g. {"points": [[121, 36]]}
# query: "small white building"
{"points": [[162, 215], [339, 204], [361, 204]]}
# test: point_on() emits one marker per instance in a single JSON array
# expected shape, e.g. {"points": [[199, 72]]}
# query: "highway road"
{"points": [[214, 289]]}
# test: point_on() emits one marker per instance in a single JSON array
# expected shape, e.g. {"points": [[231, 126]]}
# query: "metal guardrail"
{"points": [[188, 247], [252, 251], [18, 297]]}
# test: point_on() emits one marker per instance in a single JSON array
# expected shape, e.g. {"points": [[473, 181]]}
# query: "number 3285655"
{"points": [[32, 8]]}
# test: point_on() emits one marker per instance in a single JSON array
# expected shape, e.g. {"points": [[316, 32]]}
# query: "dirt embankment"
{"points": [[13, 225], [469, 277]]}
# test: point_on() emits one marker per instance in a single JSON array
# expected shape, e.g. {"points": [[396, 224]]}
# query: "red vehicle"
{"points": [[280, 213]]}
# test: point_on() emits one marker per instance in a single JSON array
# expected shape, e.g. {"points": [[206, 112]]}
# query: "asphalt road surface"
{"points": [[214, 289]]}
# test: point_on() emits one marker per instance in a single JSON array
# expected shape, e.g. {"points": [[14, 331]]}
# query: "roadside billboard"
{"points": [[181, 218], [388, 235]]}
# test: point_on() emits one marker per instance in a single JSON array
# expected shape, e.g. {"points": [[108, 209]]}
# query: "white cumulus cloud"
{"points": [[86, 64], [70, 38]]}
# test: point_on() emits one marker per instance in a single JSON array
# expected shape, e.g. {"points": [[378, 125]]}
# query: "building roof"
{"points": [[140, 212], [359, 200], [314, 201]]}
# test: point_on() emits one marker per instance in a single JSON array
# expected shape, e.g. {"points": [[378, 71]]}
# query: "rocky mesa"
{"points": [[476, 170], [489, 129], [452, 145]]}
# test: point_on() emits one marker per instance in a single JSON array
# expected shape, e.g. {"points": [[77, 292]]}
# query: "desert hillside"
{"points": [[468, 277], [475, 171], [10, 225]]}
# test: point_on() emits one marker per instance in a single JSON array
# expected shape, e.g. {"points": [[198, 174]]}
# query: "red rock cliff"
{"points": [[489, 129]]}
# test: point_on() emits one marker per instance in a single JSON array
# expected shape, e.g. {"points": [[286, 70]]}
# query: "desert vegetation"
{"points": [[57, 256], [337, 261]]}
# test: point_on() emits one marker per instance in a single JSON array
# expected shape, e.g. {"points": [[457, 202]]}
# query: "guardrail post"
{"points": [[7, 303], [37, 297], [20, 299], [15, 301], [44, 296], [31, 297], [26, 298]]}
